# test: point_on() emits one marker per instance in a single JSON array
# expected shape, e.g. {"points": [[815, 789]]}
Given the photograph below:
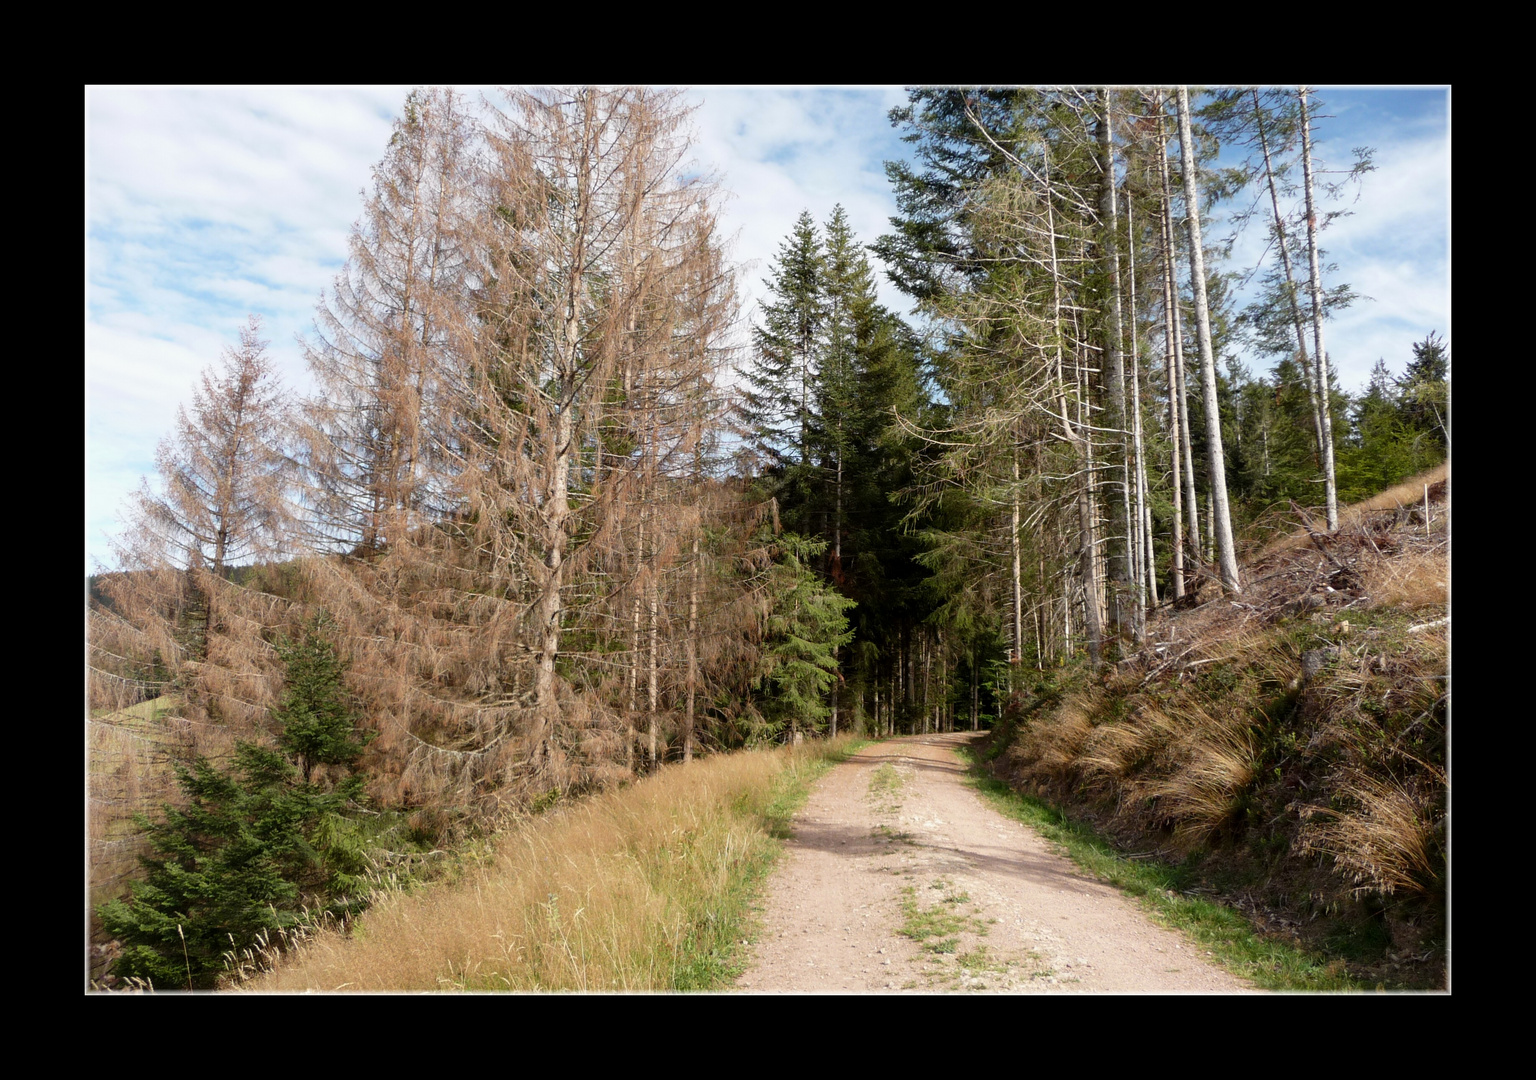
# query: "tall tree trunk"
{"points": [[1321, 356], [552, 572], [1042, 619], [1066, 613], [1142, 533], [975, 693], [837, 533], [651, 675], [1017, 653], [1119, 544], [1191, 513], [635, 652], [1076, 439], [834, 708], [1210, 530], [1290, 289], [1170, 369], [1088, 537], [692, 646], [1215, 458], [927, 671]]}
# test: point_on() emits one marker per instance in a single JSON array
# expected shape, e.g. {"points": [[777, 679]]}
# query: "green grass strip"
{"points": [[1224, 933], [713, 956]]}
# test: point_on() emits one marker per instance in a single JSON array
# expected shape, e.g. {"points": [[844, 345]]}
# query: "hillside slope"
{"points": [[1286, 747]]}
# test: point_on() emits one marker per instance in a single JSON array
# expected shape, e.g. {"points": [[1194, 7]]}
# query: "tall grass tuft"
{"points": [[1216, 764], [1411, 582], [639, 889], [1387, 844]]}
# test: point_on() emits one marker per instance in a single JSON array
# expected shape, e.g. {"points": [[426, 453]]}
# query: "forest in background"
{"points": [[558, 531]]}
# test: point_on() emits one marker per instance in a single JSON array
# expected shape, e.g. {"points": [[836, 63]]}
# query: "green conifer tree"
{"points": [[1379, 450], [256, 846], [314, 715], [779, 405], [808, 624], [1425, 393]]}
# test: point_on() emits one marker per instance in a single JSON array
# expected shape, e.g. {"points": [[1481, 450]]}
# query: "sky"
{"points": [[206, 204]]}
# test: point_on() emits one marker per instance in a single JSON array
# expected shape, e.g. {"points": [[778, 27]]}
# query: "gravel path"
{"points": [[893, 838]]}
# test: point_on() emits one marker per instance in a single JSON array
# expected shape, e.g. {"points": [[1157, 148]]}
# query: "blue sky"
{"points": [[205, 204]]}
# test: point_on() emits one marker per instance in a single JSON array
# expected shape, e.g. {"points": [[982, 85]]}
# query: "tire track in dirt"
{"points": [[893, 838]]}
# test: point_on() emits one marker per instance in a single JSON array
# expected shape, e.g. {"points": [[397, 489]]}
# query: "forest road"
{"points": [[893, 839]]}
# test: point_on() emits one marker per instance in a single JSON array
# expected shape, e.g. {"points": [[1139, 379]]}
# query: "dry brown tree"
{"points": [[373, 468], [505, 504], [598, 336], [510, 521], [220, 500], [177, 661]]}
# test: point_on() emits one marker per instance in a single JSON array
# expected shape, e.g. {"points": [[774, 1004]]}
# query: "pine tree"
{"points": [[223, 471], [221, 499], [256, 848], [779, 407], [374, 446], [1425, 393], [957, 135], [806, 627], [1379, 451], [848, 291], [316, 726], [1214, 451]]}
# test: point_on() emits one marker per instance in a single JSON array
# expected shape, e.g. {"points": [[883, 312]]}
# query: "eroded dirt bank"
{"points": [[893, 839]]}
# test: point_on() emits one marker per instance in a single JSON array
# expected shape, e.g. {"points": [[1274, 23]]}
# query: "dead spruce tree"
{"points": [[176, 620], [220, 500], [515, 369], [372, 457], [580, 383]]}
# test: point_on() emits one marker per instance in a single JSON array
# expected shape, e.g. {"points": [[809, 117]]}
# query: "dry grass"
{"points": [[616, 893], [128, 764], [1303, 793], [1408, 493], [1386, 845], [1410, 582], [1051, 747], [1215, 765], [1113, 751]]}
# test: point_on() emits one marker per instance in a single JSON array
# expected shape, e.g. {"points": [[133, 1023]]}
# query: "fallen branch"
{"points": [[1429, 625], [1166, 664]]}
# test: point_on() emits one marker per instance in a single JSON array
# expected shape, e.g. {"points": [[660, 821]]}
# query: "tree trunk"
{"points": [[1190, 512], [692, 646], [1084, 470], [1290, 291], [1171, 348], [634, 642], [1215, 458], [1142, 533], [1118, 542], [1321, 357], [1017, 628], [651, 683]]}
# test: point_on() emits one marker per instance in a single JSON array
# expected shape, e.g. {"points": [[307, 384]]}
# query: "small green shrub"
{"points": [[259, 848]]}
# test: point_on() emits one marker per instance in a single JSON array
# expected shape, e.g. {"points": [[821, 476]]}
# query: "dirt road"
{"points": [[894, 840]]}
